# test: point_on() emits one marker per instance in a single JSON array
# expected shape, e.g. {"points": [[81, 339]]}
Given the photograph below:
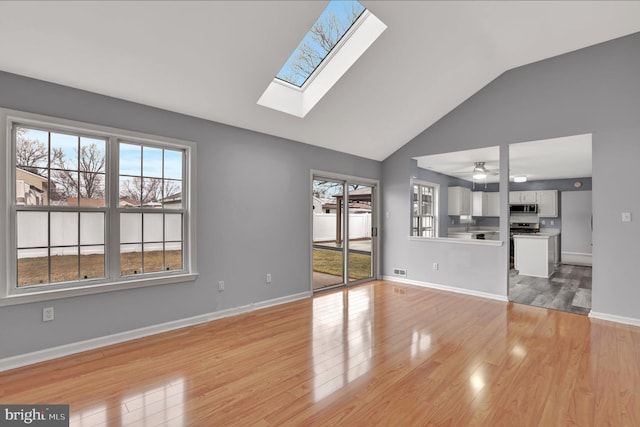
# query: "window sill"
{"points": [[46, 295]]}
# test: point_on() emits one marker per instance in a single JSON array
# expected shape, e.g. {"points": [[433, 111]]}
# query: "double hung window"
{"points": [[424, 210], [94, 207]]}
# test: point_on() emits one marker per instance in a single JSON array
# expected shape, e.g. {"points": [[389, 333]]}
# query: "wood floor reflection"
{"points": [[375, 354]]}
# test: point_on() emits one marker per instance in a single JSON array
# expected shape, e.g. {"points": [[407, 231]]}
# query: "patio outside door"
{"points": [[343, 233]]}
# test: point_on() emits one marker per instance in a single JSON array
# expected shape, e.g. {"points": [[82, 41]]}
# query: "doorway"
{"points": [[551, 223], [344, 231]]}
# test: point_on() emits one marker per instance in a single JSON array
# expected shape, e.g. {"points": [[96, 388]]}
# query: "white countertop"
{"points": [[473, 230], [547, 233]]}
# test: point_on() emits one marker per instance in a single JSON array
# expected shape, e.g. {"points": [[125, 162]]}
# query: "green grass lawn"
{"points": [[330, 262], [33, 271]]}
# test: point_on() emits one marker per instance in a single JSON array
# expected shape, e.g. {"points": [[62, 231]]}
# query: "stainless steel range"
{"points": [[523, 228]]}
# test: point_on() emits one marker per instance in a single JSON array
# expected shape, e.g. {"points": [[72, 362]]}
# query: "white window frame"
{"points": [[10, 294], [436, 206], [298, 101]]}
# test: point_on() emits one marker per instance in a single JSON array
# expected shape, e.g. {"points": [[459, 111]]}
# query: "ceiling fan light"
{"points": [[479, 175], [479, 171], [519, 179]]}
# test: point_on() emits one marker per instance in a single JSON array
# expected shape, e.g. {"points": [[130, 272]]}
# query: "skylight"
{"points": [[324, 35], [342, 33]]}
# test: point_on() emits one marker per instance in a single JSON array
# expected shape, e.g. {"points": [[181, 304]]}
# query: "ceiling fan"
{"points": [[478, 172]]}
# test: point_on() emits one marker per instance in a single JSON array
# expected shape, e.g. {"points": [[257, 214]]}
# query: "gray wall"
{"points": [[576, 229], [552, 184], [253, 206], [562, 185], [594, 90]]}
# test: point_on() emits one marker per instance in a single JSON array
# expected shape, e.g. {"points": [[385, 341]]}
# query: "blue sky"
{"points": [[340, 9], [67, 143], [133, 157]]}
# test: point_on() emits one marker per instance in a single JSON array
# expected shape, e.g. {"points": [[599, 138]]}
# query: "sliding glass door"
{"points": [[344, 232], [361, 228], [328, 229]]}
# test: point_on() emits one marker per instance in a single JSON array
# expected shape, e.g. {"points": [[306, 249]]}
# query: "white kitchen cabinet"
{"points": [[493, 204], [479, 203], [529, 197], [547, 203], [535, 255], [485, 203], [459, 201]]}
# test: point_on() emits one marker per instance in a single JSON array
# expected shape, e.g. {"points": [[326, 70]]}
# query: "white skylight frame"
{"points": [[298, 101]]}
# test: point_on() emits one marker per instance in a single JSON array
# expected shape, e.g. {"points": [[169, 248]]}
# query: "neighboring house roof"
{"points": [[31, 178], [174, 198]]}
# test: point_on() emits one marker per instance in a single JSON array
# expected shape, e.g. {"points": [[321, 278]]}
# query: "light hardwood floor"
{"points": [[375, 354]]}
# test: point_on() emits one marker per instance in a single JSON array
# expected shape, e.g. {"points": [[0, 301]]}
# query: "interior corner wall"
{"points": [[593, 90], [253, 204]]}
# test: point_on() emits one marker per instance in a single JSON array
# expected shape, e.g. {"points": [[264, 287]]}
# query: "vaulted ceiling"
{"points": [[214, 59]]}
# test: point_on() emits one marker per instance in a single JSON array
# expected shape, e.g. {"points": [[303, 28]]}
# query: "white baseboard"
{"points": [[614, 318], [576, 258], [447, 288], [91, 344]]}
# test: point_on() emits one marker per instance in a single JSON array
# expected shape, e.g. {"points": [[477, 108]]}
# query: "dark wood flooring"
{"points": [[569, 289]]}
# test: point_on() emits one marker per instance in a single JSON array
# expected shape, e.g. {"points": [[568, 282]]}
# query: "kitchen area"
{"points": [[550, 223], [456, 196]]}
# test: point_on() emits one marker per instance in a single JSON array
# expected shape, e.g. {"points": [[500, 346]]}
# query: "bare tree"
{"points": [[85, 181], [325, 34], [30, 153], [329, 189], [147, 191]]}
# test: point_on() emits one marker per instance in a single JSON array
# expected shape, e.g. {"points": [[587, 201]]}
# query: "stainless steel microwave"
{"points": [[523, 208]]}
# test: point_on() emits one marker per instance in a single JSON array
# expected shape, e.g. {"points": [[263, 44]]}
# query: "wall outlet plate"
{"points": [[47, 314]]}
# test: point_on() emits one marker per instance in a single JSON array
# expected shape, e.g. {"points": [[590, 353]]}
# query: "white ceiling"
{"points": [[214, 59], [557, 158], [460, 164]]}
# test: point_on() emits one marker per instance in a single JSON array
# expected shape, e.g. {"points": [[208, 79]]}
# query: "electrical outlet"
{"points": [[47, 314], [435, 265], [552, 222], [268, 278], [221, 286]]}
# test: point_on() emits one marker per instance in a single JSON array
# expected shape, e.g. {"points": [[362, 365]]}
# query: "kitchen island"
{"points": [[536, 254]]}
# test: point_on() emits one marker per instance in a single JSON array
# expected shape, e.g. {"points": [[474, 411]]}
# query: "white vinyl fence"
{"points": [[324, 226], [33, 233]]}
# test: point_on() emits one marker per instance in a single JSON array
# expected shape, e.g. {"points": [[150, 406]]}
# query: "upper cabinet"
{"points": [[486, 203], [522, 197], [459, 201], [493, 204], [547, 201]]}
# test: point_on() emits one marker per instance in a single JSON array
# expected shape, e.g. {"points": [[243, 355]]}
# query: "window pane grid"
{"points": [[60, 258], [63, 181], [145, 247], [423, 221]]}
